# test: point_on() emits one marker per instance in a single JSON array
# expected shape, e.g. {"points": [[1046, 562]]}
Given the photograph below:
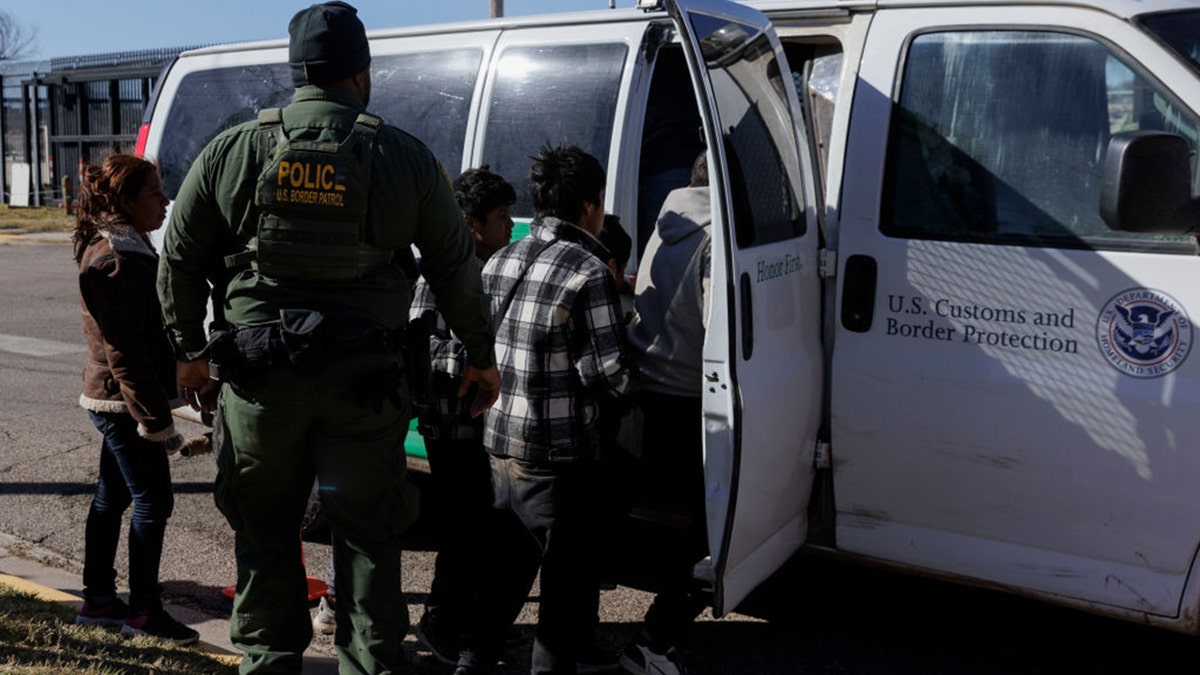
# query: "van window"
{"points": [[208, 102], [746, 83], [1180, 31], [817, 73], [428, 95], [999, 137], [550, 95]]}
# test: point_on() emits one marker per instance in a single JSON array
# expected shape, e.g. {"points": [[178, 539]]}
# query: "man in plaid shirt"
{"points": [[560, 349]]}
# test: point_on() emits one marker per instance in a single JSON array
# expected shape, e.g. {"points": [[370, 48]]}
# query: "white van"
{"points": [[926, 338]]}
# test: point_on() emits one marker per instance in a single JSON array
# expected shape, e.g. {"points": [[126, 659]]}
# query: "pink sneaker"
{"points": [[111, 614]]}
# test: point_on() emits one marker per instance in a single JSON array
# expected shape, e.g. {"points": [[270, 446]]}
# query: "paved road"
{"points": [[815, 616]]}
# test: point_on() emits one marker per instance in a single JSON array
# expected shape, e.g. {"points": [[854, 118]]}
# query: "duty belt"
{"points": [[303, 339]]}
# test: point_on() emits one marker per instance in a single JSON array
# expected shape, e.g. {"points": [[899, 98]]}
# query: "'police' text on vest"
{"points": [[310, 183]]}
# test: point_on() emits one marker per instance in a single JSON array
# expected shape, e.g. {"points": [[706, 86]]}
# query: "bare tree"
{"points": [[16, 40]]}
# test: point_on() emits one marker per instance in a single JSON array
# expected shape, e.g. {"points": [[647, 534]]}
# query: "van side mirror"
{"points": [[1147, 184]]}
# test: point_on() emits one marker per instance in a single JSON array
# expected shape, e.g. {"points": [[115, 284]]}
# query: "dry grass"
{"points": [[34, 220], [38, 637]]}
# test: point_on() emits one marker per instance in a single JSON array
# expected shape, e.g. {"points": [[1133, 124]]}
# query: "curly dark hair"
{"points": [[478, 191], [561, 179], [100, 193]]}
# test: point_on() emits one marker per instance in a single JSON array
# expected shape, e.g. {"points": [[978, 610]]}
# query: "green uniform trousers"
{"points": [[278, 433]]}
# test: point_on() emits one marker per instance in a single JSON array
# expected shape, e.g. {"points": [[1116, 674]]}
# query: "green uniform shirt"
{"points": [[411, 202]]}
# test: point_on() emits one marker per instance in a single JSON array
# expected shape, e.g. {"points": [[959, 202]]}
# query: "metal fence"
{"points": [[56, 115]]}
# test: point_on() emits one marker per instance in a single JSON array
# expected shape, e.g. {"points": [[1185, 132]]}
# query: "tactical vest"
{"points": [[312, 200]]}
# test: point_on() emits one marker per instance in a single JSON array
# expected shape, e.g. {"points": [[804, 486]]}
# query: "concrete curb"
{"points": [[73, 602], [30, 569], [21, 237], [48, 594]]}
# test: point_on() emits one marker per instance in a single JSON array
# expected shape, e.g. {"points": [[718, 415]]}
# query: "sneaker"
{"points": [[159, 624], [640, 660], [439, 645], [325, 622], [110, 614], [595, 660]]}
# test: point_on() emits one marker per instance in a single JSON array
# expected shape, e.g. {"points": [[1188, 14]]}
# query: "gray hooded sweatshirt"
{"points": [[667, 332]]}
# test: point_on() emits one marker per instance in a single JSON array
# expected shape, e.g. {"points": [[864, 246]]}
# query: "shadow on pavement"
{"points": [[839, 617], [67, 489]]}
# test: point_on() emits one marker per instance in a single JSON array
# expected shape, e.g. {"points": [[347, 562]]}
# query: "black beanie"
{"points": [[328, 43]]}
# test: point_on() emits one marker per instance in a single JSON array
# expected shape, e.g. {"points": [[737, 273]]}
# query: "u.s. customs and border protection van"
{"points": [[953, 269]]}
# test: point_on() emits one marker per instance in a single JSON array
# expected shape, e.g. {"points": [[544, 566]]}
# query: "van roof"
{"points": [[1120, 8], [1124, 9], [556, 19]]}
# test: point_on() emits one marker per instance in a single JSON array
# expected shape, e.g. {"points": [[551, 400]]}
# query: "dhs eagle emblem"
{"points": [[1144, 333]]}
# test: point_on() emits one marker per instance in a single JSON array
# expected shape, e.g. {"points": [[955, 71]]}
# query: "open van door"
{"points": [[762, 351]]}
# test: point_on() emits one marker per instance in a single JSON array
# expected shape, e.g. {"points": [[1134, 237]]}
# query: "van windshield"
{"points": [[1180, 31]]}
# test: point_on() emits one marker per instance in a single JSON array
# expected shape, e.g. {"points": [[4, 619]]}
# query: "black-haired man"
{"points": [[560, 347]]}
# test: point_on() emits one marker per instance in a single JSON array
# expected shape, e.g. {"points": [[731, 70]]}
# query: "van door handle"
{"points": [[747, 318], [858, 293]]}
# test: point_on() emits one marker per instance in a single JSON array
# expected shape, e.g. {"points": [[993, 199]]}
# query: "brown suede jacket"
{"points": [[130, 366]]}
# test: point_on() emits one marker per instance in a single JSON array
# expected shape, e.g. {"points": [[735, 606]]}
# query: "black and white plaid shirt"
{"points": [[559, 346]]}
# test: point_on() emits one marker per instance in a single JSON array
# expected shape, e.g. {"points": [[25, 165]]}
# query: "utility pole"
{"points": [[497, 8]]}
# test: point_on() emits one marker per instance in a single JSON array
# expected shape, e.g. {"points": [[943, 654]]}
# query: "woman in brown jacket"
{"points": [[128, 389]]}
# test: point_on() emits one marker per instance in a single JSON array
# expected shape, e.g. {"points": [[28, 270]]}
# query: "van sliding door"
{"points": [[762, 352]]}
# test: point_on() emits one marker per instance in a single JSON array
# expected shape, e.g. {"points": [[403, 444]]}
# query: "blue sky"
{"points": [[77, 27]]}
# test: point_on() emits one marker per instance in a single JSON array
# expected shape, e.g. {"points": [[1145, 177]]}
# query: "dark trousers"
{"points": [[132, 471], [673, 464], [272, 439], [547, 513], [461, 479]]}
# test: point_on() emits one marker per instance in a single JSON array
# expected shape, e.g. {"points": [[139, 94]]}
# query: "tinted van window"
{"points": [[756, 129], [550, 95], [429, 96], [1180, 31], [999, 136], [426, 94], [208, 102]]}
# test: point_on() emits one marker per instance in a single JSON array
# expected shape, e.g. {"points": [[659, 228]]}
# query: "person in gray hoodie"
{"points": [[667, 338]]}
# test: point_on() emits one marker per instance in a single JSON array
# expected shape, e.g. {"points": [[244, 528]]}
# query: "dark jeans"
{"points": [[673, 463], [462, 495], [132, 471], [545, 513]]}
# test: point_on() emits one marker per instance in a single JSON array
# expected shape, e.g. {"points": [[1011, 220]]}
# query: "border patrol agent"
{"points": [[302, 221]]}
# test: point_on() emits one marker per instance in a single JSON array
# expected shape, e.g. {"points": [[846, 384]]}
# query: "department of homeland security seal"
{"points": [[1144, 333]]}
